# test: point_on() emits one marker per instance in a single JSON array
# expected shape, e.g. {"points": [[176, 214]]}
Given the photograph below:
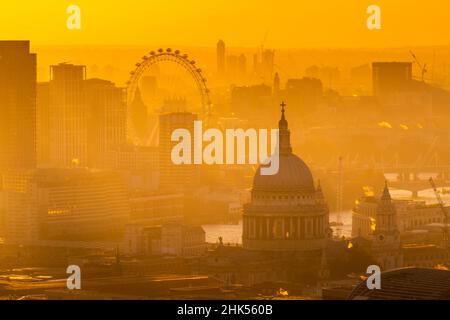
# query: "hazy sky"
{"points": [[287, 23]]}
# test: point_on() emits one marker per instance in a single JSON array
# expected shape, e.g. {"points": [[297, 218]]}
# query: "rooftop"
{"points": [[407, 284]]}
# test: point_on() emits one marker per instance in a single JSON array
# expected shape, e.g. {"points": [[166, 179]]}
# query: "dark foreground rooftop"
{"points": [[407, 284]]}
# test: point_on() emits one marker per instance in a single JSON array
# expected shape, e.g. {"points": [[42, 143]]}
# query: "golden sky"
{"points": [[287, 23]]}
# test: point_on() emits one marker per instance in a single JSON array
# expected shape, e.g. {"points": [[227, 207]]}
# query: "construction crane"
{"points": [[423, 68], [263, 41], [444, 211]]}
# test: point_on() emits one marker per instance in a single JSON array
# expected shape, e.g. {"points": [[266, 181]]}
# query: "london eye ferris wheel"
{"points": [[163, 81]]}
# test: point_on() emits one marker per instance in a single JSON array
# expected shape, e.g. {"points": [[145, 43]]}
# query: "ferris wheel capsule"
{"points": [[160, 50], [185, 56], [169, 50], [152, 53], [193, 62], [177, 51]]}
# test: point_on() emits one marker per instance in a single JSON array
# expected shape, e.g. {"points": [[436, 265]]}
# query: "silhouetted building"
{"points": [[139, 166], [156, 208], [389, 78], [64, 204], [106, 122], [17, 105], [221, 58], [276, 84], [304, 95], [168, 239], [43, 124], [424, 255], [236, 67], [172, 176], [268, 60], [360, 79], [68, 116], [328, 75], [247, 101], [264, 67]]}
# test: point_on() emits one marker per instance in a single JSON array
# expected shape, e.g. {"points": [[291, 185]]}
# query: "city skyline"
{"points": [[283, 150]]}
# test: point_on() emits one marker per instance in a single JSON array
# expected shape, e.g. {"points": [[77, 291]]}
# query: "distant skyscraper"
{"points": [[68, 117], [390, 78], [232, 67], [263, 67], [43, 124], [236, 67], [276, 84], [106, 123], [221, 58], [304, 94], [17, 105], [268, 60], [174, 177], [242, 65]]}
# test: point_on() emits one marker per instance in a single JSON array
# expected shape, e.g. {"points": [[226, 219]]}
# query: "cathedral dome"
{"points": [[293, 174], [286, 211]]}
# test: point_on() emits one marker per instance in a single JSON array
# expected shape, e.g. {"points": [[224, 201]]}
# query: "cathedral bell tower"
{"points": [[386, 246]]}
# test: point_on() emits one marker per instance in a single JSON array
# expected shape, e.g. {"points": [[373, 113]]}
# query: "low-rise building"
{"points": [[169, 239], [64, 204], [411, 214]]}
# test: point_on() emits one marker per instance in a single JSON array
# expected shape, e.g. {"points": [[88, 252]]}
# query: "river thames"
{"points": [[232, 234]]}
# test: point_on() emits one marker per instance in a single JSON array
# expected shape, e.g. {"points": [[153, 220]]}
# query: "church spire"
{"points": [[282, 124], [386, 196], [386, 213], [285, 134], [319, 192]]}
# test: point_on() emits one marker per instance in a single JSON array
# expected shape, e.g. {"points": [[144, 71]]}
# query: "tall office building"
{"points": [[106, 123], [43, 124], [276, 84], [236, 67], [221, 58], [263, 66], [390, 78], [17, 105], [268, 60], [138, 124], [68, 117], [172, 176]]}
